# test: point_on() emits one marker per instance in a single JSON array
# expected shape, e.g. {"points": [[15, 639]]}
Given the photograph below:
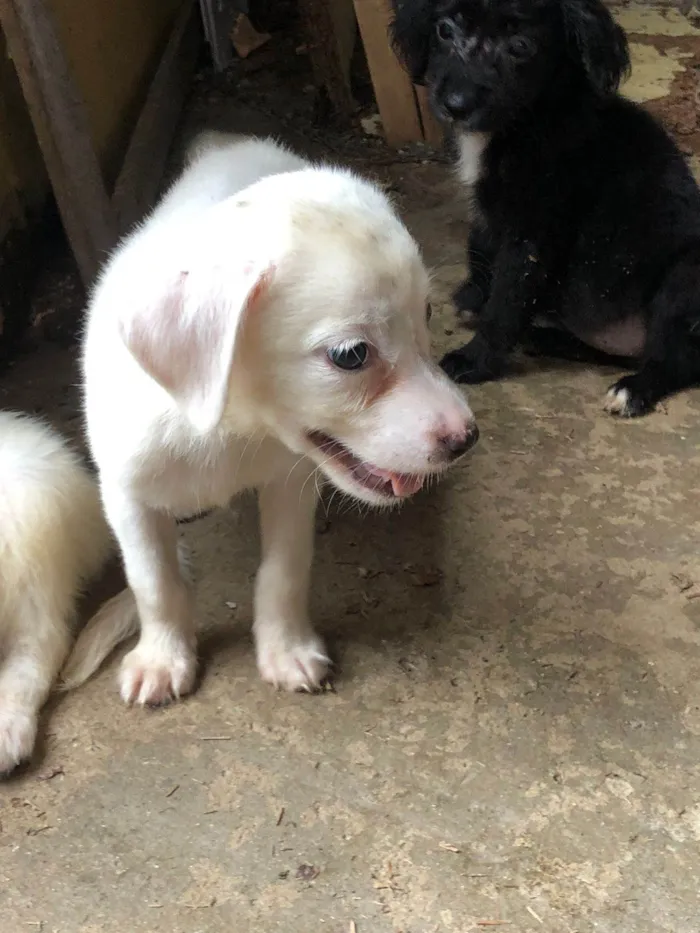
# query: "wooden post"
{"points": [[393, 89], [61, 125], [329, 32], [142, 170], [432, 131]]}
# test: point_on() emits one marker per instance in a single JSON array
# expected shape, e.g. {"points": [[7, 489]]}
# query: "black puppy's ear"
{"points": [[600, 43], [410, 32]]}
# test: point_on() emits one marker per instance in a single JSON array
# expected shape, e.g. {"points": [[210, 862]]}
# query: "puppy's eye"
{"points": [[521, 47], [445, 30], [349, 358], [428, 312]]}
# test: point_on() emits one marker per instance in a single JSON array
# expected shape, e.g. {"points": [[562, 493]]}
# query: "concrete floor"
{"points": [[513, 741]]}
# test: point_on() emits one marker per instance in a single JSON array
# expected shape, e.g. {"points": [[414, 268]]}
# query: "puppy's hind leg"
{"points": [[671, 359], [289, 653], [35, 646]]}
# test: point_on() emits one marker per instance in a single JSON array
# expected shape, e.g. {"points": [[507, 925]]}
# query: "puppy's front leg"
{"points": [[473, 293], [34, 653], [289, 652], [519, 283], [162, 666]]}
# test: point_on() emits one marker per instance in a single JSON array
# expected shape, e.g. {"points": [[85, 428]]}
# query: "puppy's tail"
{"points": [[114, 622]]}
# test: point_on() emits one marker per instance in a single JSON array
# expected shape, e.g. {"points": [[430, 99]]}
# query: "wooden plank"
{"points": [[219, 19], [330, 65], [142, 170], [393, 89], [61, 126], [345, 31], [432, 131]]}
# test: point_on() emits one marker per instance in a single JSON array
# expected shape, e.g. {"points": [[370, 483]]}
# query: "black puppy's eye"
{"points": [[445, 30], [521, 47], [349, 358], [428, 312]]}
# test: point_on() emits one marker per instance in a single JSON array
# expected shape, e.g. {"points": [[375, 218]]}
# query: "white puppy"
{"points": [[265, 327], [53, 537]]}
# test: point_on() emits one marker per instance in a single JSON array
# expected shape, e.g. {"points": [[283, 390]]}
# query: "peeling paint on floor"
{"points": [[653, 71], [645, 19]]}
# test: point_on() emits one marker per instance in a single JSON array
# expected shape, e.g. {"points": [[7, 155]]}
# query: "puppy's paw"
{"points": [[156, 675], [17, 736], [467, 366], [625, 400], [293, 663], [469, 299]]}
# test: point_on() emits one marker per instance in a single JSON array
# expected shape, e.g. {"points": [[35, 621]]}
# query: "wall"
{"points": [[112, 47], [23, 182]]}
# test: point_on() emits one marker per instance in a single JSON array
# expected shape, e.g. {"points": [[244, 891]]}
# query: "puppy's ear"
{"points": [[185, 339], [600, 44], [410, 32]]}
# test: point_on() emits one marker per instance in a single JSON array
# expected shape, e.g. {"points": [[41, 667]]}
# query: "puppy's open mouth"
{"points": [[373, 478]]}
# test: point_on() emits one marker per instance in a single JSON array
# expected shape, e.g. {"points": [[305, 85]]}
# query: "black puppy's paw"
{"points": [[630, 397], [468, 365], [469, 300]]}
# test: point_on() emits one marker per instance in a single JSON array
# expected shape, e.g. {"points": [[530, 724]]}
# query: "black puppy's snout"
{"points": [[458, 103], [455, 445]]}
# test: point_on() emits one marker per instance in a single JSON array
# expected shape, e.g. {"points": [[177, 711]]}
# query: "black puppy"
{"points": [[585, 211]]}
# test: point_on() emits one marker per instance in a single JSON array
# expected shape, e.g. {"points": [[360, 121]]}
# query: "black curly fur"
{"points": [[584, 207]]}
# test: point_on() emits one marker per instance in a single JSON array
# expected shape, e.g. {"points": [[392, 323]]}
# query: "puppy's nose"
{"points": [[458, 104], [457, 444]]}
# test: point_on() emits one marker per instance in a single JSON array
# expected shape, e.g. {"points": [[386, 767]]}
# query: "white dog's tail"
{"points": [[114, 622]]}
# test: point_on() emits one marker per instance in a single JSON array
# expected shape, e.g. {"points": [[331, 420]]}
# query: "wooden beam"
{"points": [[218, 20], [393, 89], [61, 125], [432, 131], [142, 170], [326, 33], [345, 31]]}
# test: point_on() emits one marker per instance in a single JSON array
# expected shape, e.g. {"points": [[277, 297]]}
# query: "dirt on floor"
{"points": [[512, 741]]}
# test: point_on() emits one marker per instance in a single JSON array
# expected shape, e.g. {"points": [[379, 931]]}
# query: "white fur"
{"points": [[205, 369], [471, 150], [617, 402], [53, 537]]}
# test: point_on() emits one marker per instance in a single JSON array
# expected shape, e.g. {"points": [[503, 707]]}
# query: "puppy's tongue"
{"points": [[405, 485], [402, 484]]}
